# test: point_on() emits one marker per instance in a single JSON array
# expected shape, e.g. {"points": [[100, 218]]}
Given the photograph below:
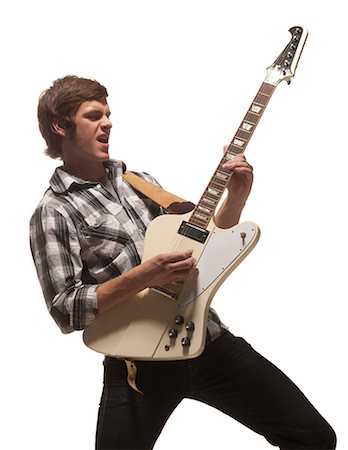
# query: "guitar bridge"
{"points": [[165, 292], [193, 232]]}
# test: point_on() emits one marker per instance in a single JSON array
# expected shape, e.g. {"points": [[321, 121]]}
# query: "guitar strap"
{"points": [[132, 375], [169, 201]]}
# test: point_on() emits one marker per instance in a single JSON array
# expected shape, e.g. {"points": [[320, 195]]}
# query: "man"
{"points": [[87, 240]]}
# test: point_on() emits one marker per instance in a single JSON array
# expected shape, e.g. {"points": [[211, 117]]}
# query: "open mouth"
{"points": [[103, 138]]}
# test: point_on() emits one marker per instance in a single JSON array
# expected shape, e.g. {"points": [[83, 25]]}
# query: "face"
{"points": [[90, 141]]}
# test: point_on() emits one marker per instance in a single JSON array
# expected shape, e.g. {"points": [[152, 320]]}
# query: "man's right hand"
{"points": [[162, 269], [168, 268]]}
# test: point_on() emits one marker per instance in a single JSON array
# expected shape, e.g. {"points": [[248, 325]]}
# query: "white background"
{"points": [[181, 75]]}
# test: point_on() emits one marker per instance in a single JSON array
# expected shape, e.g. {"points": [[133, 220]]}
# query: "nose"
{"points": [[106, 124]]}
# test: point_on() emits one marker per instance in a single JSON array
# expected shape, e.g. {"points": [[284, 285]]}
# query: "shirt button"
{"points": [[98, 186]]}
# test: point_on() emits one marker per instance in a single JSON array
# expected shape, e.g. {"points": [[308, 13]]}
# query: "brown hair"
{"points": [[60, 103]]}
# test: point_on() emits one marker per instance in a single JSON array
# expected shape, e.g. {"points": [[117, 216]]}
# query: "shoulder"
{"points": [[146, 176], [118, 168], [49, 208]]}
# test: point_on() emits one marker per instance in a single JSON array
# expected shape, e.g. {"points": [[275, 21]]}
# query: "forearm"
{"points": [[160, 270], [238, 190], [117, 290], [229, 213]]}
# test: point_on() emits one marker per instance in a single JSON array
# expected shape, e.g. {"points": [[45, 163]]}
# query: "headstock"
{"points": [[284, 66]]}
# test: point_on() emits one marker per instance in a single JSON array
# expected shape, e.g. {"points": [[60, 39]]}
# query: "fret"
{"points": [[267, 89], [218, 184], [222, 176], [203, 209], [211, 198], [247, 126], [200, 223], [213, 192], [261, 99], [238, 142], [208, 200], [252, 117], [228, 156], [236, 150], [203, 212], [255, 108], [211, 201], [241, 134], [201, 216]]}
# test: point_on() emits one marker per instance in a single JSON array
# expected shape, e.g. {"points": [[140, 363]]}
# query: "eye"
{"points": [[95, 115]]}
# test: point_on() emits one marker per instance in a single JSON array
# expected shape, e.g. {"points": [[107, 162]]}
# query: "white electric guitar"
{"points": [[169, 322]]}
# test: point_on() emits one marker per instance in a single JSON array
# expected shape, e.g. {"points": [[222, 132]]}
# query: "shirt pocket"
{"points": [[104, 236]]}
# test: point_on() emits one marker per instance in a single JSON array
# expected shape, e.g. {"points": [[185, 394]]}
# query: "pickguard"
{"points": [[221, 249]]}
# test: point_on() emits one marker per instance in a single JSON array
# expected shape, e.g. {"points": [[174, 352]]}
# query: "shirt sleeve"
{"points": [[56, 252]]}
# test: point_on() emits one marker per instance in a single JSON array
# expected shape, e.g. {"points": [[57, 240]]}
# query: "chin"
{"points": [[103, 155]]}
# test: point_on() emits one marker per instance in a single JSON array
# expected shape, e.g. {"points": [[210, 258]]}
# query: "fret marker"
{"points": [[213, 192], [209, 201], [256, 109], [204, 210], [201, 217], [229, 156], [247, 126], [222, 176], [238, 142]]}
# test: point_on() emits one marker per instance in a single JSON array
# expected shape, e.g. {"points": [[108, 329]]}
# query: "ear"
{"points": [[58, 128]]}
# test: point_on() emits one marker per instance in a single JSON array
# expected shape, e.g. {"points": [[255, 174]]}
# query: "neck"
{"points": [[88, 172]]}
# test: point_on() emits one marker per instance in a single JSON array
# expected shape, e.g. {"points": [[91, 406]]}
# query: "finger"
{"points": [[176, 256], [183, 275], [187, 264], [244, 167], [236, 165], [239, 158]]}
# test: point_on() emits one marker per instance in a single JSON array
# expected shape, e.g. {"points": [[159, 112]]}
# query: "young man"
{"points": [[87, 241]]}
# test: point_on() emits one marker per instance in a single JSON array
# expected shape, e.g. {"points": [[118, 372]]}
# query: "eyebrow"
{"points": [[97, 110]]}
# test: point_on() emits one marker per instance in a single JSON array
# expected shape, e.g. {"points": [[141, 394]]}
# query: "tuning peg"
{"points": [[288, 81]]}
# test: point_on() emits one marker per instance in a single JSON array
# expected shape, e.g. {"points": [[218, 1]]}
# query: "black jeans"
{"points": [[230, 376]]}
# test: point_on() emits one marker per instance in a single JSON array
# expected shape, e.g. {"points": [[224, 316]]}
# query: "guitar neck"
{"points": [[205, 208]]}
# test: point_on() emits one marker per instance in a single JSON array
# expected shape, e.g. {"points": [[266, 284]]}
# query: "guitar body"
{"points": [[169, 323]]}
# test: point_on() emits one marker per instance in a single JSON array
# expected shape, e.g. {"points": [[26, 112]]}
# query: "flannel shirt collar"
{"points": [[62, 182]]}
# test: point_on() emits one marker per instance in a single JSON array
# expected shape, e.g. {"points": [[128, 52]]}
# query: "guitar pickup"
{"points": [[193, 232]]}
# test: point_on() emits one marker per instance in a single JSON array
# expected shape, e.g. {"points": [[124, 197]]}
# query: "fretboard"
{"points": [[204, 211]]}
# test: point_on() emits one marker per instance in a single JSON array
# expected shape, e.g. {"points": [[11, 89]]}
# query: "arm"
{"points": [[56, 254], [162, 269], [74, 304], [238, 191]]}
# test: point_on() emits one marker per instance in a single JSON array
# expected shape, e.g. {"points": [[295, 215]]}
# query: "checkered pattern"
{"points": [[84, 233]]}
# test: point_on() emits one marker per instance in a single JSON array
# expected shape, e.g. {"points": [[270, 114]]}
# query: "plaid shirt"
{"points": [[84, 233]]}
